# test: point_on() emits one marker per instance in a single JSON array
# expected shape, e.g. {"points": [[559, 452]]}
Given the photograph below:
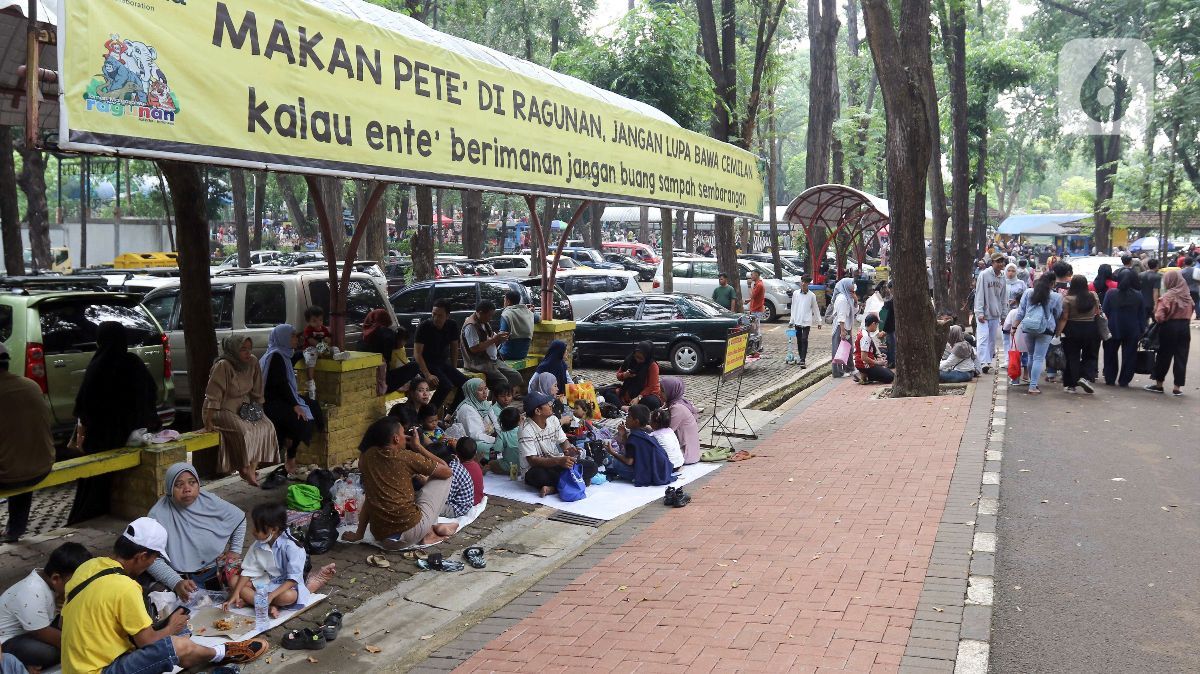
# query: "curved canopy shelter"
{"points": [[349, 89], [825, 211]]}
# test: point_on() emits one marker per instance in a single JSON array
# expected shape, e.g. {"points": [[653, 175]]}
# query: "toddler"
{"points": [[316, 340], [578, 427], [275, 561], [431, 432], [464, 493], [660, 421], [506, 454]]}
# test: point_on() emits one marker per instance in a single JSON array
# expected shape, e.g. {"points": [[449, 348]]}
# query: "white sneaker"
{"points": [[1086, 386], [338, 354], [312, 389]]}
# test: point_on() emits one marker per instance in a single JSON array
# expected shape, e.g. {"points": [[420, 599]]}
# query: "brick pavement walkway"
{"points": [[810, 556]]}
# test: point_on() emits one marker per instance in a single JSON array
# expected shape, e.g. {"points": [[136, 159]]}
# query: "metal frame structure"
{"points": [[832, 209]]}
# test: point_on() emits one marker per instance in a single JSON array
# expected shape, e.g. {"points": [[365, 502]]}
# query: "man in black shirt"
{"points": [[1150, 281], [435, 349]]}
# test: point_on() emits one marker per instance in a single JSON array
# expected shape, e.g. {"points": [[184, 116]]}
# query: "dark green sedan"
{"points": [[688, 331]]}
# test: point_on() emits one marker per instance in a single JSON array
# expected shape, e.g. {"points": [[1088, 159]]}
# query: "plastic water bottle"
{"points": [[262, 612]]}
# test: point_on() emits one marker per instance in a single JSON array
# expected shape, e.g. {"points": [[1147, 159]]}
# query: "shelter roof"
{"points": [[825, 206]]}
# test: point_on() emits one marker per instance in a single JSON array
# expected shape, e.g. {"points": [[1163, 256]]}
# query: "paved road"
{"points": [[1107, 570]]}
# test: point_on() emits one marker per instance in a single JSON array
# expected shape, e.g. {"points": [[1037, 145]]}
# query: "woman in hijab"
{"points": [[958, 363], [1126, 312], [545, 383], [204, 534], [1172, 314], [1013, 286], [639, 380], [118, 396], [294, 416], [380, 336], [685, 418], [1104, 281], [478, 416], [235, 387], [844, 304], [554, 362]]}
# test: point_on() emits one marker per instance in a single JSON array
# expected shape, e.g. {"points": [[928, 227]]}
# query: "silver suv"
{"points": [[253, 301]]}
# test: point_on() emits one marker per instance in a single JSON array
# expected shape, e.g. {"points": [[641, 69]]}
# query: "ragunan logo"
{"points": [[130, 83]]}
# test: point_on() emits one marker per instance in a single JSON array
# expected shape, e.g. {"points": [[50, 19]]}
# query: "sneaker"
{"points": [[672, 495], [987, 369], [312, 389], [803, 365], [1177, 394], [1086, 386], [340, 355], [681, 499], [1069, 389], [1153, 388]]}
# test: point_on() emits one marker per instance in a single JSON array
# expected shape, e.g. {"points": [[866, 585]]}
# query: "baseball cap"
{"points": [[999, 257], [535, 400], [149, 534]]}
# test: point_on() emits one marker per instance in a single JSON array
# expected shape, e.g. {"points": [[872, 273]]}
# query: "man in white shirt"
{"points": [[804, 316], [545, 450], [29, 629], [991, 306]]}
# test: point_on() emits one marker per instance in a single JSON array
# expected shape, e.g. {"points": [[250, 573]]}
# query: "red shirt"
{"points": [[315, 336], [476, 473], [758, 296]]}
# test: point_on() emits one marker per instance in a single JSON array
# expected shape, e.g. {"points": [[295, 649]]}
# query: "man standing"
{"points": [[1023, 272], [758, 305], [1150, 281], [482, 352], [435, 348], [1191, 276], [990, 308], [724, 294], [804, 316], [26, 448], [517, 320]]}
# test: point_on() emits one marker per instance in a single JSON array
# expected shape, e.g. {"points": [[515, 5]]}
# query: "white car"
{"points": [[698, 275], [590, 289], [1089, 266], [522, 265], [257, 257]]}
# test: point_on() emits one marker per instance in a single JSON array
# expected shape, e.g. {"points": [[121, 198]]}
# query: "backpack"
{"points": [[1035, 320]]}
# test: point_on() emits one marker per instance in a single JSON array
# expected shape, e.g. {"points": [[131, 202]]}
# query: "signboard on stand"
{"points": [[735, 353]]}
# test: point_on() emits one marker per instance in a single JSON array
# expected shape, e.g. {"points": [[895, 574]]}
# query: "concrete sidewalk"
{"points": [[814, 554]]}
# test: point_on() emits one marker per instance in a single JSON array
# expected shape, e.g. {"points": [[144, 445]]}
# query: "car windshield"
{"points": [[765, 270], [705, 306]]}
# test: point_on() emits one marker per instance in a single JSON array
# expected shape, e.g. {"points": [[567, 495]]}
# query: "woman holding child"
{"points": [[477, 415]]}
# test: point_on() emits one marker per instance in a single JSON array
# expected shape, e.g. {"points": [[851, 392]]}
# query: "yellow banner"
{"points": [[735, 352], [306, 87]]}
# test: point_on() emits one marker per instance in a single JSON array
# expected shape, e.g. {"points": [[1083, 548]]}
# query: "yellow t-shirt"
{"points": [[99, 621]]}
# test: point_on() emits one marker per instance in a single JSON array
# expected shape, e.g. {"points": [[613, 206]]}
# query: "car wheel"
{"points": [[769, 313], [687, 358], [580, 360]]}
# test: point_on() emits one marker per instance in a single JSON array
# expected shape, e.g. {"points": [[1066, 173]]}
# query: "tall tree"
{"points": [[473, 225], [237, 180], [296, 210], [900, 49], [375, 223], [10, 217], [953, 20], [32, 180], [260, 202], [331, 195], [822, 83], [422, 238]]}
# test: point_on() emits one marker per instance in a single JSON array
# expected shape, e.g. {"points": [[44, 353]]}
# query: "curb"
{"points": [[951, 629]]}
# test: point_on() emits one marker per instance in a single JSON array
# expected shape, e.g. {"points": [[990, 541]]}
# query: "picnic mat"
{"points": [[463, 521], [603, 502]]}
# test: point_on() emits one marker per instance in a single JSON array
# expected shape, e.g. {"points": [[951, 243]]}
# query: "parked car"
{"points": [[589, 257], [638, 251], [256, 257], [253, 301], [645, 271], [469, 267], [414, 303], [397, 273], [522, 265], [688, 331], [588, 289], [297, 259], [48, 324], [699, 275], [790, 266]]}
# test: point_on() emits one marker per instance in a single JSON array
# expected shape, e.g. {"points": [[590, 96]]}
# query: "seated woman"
{"points": [[235, 385], [398, 516], [381, 337], [477, 415], [958, 363], [420, 393], [554, 363], [295, 417], [685, 418], [639, 380], [545, 384], [204, 535], [644, 461], [870, 363], [545, 450]]}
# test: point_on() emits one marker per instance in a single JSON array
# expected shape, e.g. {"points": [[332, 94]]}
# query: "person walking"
{"points": [[804, 316], [1080, 335], [843, 321], [1037, 316], [26, 447], [1126, 311], [1104, 281], [990, 308], [1172, 313]]}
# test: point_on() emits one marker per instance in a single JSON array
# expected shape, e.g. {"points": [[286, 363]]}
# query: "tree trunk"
{"points": [[726, 253], [195, 285], [597, 225], [667, 253], [473, 227], [422, 240], [237, 181], [772, 171], [903, 61], [10, 216], [260, 203], [822, 103], [85, 205], [691, 232], [37, 212], [166, 205], [979, 224], [295, 209], [954, 32], [331, 194], [1108, 152], [644, 225], [375, 223]]}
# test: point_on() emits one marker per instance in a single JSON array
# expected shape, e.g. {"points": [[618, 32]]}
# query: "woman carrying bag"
{"points": [[1172, 313], [1126, 311], [843, 325], [1080, 335]]}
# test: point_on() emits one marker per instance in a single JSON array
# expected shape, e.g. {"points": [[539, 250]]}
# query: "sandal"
{"points": [[412, 555], [300, 640], [242, 652], [332, 624], [474, 557], [741, 455], [379, 562], [437, 563]]}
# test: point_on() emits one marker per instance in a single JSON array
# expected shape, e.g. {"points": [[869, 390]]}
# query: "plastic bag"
{"points": [[571, 486], [1014, 365], [1056, 358], [842, 356], [322, 531]]}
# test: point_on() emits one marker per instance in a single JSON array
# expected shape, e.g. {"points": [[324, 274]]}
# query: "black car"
{"points": [[644, 271], [414, 303], [688, 331]]}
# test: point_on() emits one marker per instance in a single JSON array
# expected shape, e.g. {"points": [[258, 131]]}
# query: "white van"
{"points": [[698, 275], [589, 289]]}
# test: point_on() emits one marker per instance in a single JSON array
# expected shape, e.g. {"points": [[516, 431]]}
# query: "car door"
{"points": [[462, 295], [704, 279], [259, 306], [659, 322], [412, 305], [608, 333]]}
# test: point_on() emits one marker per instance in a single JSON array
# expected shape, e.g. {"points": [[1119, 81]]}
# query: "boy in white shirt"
{"points": [[29, 629], [804, 315]]}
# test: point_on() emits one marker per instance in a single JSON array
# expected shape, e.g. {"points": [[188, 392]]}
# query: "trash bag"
{"points": [[1056, 358], [1144, 362], [322, 531], [323, 480]]}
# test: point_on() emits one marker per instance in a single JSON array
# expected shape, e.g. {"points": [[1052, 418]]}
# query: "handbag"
{"points": [[1150, 341], [1102, 327], [843, 353], [1143, 362], [570, 484], [1056, 358], [1014, 365], [250, 412]]}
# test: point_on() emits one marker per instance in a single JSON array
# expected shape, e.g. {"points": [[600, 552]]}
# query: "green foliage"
{"points": [[522, 28], [1076, 194], [651, 58]]}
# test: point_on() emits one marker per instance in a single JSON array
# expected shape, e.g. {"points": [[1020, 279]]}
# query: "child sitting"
{"points": [[506, 454], [578, 427], [28, 628], [431, 432], [276, 562], [462, 485], [660, 420], [316, 340], [503, 395], [644, 461], [467, 453]]}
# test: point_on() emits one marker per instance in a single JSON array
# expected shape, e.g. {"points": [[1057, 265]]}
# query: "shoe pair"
{"points": [[309, 639], [675, 497]]}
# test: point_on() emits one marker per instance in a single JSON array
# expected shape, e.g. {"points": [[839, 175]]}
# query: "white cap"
{"points": [[149, 534]]}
